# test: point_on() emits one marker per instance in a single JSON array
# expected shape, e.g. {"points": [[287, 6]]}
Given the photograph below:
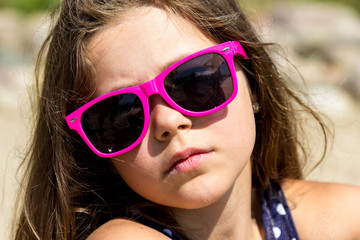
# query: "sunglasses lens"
{"points": [[115, 123], [200, 84]]}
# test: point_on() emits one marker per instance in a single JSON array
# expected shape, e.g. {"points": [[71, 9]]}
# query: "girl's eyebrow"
{"points": [[119, 88], [174, 60], [166, 66]]}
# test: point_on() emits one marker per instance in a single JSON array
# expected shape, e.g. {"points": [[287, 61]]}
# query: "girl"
{"points": [[162, 119]]}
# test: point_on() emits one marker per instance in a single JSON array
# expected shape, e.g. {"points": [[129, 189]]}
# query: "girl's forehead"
{"points": [[140, 45], [144, 28]]}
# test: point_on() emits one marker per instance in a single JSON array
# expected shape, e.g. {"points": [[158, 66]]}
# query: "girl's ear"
{"points": [[255, 104], [256, 107]]}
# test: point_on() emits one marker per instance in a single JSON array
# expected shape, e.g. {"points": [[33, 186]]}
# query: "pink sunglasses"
{"points": [[197, 85]]}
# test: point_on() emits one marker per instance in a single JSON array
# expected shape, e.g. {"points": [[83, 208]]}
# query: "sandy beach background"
{"points": [[321, 40]]}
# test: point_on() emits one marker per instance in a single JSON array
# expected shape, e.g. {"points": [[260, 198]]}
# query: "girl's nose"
{"points": [[166, 121]]}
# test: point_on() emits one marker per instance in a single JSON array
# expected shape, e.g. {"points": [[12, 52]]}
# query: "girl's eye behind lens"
{"points": [[115, 123], [200, 84]]}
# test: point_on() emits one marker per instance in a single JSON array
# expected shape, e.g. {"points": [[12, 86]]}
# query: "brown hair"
{"points": [[69, 191]]}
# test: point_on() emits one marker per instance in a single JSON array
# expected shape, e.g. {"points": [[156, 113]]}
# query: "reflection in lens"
{"points": [[114, 123], [200, 84]]}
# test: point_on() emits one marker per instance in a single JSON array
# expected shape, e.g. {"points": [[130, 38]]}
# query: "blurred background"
{"points": [[320, 38]]}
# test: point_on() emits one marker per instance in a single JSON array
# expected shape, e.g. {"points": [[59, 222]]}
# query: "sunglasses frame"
{"points": [[156, 86]]}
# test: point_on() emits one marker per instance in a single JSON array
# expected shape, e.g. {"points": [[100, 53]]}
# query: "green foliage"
{"points": [[267, 3], [28, 6], [352, 3]]}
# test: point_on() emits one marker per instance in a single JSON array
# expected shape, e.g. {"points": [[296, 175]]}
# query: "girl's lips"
{"points": [[187, 160]]}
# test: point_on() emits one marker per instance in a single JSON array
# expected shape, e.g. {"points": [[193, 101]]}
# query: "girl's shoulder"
{"points": [[324, 210], [124, 229]]}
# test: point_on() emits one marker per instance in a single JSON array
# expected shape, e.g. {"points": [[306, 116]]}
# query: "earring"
{"points": [[256, 107]]}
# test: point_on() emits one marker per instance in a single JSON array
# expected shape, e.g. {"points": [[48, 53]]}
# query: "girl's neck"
{"points": [[228, 218]]}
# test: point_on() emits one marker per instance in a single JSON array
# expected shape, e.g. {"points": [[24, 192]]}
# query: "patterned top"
{"points": [[278, 223]]}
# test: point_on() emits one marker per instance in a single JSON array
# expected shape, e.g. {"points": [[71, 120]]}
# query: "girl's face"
{"points": [[183, 162]]}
